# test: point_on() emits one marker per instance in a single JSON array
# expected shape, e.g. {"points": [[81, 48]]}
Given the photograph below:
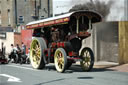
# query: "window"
{"points": [[9, 19], [21, 19], [41, 17]]}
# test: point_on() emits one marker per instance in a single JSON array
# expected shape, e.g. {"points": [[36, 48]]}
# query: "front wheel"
{"points": [[60, 60], [87, 59]]}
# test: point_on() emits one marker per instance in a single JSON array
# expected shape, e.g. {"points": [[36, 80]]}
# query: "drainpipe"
{"points": [[16, 12], [48, 8], [38, 9], [40, 4], [35, 8]]}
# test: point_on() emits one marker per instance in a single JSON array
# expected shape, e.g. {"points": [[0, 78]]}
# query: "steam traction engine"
{"points": [[58, 40]]}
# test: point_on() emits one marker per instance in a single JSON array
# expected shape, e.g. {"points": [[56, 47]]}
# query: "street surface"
{"points": [[16, 74]]}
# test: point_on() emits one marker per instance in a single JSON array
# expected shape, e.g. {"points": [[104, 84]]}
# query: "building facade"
{"points": [[7, 13], [14, 13], [31, 10]]}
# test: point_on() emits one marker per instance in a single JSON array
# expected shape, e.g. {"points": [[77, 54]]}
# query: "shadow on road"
{"points": [[77, 68], [84, 77]]}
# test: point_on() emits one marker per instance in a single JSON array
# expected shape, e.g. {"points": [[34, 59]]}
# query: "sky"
{"points": [[64, 5], [116, 12], [61, 6]]}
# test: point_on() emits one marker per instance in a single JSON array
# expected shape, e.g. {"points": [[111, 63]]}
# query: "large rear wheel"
{"points": [[87, 59], [60, 60], [37, 56]]}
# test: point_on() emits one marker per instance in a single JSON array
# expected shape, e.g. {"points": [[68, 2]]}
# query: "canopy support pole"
{"points": [[77, 29]]}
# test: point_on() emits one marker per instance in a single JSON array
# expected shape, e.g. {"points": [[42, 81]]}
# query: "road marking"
{"points": [[23, 67], [11, 78]]}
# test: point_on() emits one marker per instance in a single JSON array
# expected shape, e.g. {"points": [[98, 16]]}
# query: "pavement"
{"points": [[111, 66]]}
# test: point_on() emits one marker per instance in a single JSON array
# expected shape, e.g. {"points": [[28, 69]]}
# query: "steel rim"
{"points": [[35, 53], [59, 60], [86, 61]]}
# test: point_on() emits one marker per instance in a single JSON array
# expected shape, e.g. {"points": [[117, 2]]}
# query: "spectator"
{"points": [[11, 52], [18, 49], [23, 48], [12, 47], [19, 52]]}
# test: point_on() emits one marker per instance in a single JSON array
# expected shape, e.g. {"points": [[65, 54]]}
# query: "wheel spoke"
{"points": [[62, 62], [85, 65], [36, 52], [62, 66], [84, 62], [88, 64], [33, 49], [34, 58], [59, 65], [86, 52], [37, 62], [37, 58]]}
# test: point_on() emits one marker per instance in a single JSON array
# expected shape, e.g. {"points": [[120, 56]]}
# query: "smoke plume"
{"points": [[98, 6]]}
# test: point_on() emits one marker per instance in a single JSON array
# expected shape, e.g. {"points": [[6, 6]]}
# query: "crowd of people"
{"points": [[18, 54]]}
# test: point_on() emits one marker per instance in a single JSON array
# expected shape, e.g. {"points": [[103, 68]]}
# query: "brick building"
{"points": [[19, 12], [6, 14], [15, 14]]}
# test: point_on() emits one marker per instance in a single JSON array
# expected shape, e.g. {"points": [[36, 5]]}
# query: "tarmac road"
{"points": [[16, 74]]}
